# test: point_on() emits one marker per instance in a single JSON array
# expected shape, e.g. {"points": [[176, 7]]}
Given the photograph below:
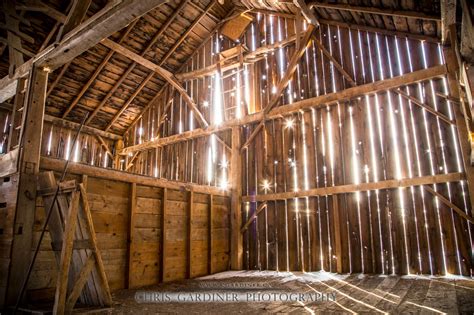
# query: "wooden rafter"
{"points": [[373, 10], [96, 73], [38, 6], [351, 188], [213, 31], [165, 74], [134, 64], [314, 102], [77, 12], [284, 81], [170, 78]]}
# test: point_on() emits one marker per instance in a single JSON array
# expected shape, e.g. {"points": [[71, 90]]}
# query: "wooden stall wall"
{"points": [[143, 240], [8, 195]]}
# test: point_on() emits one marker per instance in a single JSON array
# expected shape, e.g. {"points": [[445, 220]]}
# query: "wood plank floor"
{"points": [[354, 294]]}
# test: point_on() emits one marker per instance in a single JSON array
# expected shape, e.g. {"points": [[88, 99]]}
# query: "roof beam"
{"points": [[314, 102], [77, 12], [134, 64], [199, 116], [96, 73], [373, 10], [165, 74], [351, 188], [111, 19], [38, 6]]}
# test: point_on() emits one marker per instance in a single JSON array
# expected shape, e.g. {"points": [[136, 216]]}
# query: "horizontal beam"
{"points": [[365, 28], [56, 165], [85, 129], [278, 112], [352, 188], [383, 31], [373, 10], [115, 16]]}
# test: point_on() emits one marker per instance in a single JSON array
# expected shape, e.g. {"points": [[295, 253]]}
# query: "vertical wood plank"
{"points": [[164, 197], [189, 263], [131, 228], [210, 238], [236, 205]]}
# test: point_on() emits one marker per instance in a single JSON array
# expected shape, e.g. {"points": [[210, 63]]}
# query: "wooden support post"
{"points": [[189, 263], [209, 237], [164, 197], [133, 207], [236, 248], [29, 168], [463, 127], [13, 36]]}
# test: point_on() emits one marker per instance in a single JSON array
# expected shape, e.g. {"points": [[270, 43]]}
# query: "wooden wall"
{"points": [[8, 195], [57, 142], [130, 227], [404, 133]]}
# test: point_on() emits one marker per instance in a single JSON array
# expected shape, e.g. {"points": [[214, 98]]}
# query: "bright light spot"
{"points": [[289, 123], [266, 185]]}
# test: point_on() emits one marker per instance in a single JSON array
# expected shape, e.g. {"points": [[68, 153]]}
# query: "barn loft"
{"points": [[315, 146]]}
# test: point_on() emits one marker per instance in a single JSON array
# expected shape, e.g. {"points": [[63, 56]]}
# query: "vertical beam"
{"points": [[74, 18], [209, 237], [236, 248], [337, 233], [14, 41], [463, 127], [164, 197], [29, 168], [189, 263], [133, 207]]}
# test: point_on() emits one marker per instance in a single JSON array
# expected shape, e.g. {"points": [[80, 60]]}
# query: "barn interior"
{"points": [[314, 146]]}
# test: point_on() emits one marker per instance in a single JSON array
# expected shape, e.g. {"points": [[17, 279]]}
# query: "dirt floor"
{"points": [[352, 294]]}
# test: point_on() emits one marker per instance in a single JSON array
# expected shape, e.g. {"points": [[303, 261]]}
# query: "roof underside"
{"points": [[101, 82]]}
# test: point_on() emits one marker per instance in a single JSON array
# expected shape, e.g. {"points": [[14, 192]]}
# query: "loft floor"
{"points": [[355, 294]]}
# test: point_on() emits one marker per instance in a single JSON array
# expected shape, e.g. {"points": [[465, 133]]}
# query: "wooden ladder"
{"points": [[18, 115], [81, 270]]}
